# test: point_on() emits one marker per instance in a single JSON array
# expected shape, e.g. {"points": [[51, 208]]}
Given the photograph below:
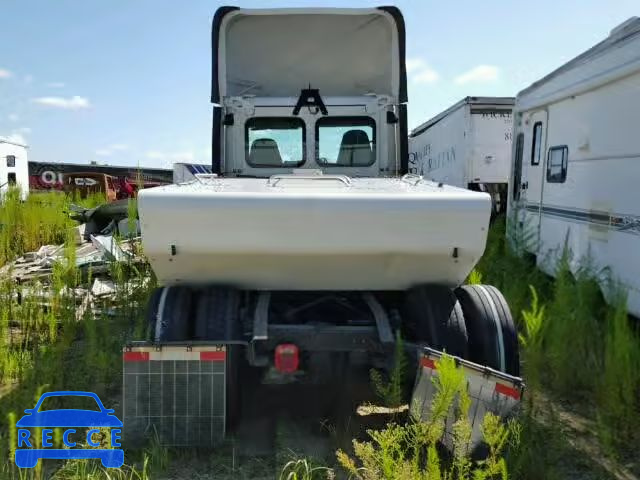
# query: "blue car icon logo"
{"points": [[27, 456]]}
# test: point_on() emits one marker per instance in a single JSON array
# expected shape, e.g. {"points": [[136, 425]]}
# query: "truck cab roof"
{"points": [[308, 88], [278, 52]]}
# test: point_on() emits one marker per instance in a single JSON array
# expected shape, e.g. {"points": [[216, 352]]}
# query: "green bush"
{"points": [[411, 451], [619, 385], [575, 346]]}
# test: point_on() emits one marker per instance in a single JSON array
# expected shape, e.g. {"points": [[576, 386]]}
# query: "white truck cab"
{"points": [[321, 89]]}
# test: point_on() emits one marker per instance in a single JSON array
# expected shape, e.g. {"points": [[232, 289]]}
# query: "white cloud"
{"points": [[478, 74], [71, 103], [153, 155], [413, 64], [16, 137], [111, 149], [13, 117], [5, 73], [425, 76], [420, 72], [55, 85]]}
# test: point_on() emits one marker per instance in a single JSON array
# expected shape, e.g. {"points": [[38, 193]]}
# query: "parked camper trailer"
{"points": [[468, 145], [14, 170], [576, 162], [186, 172]]}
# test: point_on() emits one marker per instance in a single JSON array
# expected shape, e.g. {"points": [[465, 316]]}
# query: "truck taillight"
{"points": [[287, 358]]}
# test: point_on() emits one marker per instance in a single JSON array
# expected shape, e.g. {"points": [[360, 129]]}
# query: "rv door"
{"points": [[533, 167]]}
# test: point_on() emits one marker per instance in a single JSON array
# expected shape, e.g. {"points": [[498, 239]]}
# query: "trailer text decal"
{"points": [[422, 162]]}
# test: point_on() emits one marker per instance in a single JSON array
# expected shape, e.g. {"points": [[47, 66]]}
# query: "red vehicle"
{"points": [[84, 184], [127, 180]]}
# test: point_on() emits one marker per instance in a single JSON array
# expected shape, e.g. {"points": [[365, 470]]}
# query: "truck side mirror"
{"points": [[391, 117]]}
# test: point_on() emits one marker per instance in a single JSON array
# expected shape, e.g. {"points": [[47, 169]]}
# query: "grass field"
{"points": [[581, 414], [581, 364]]}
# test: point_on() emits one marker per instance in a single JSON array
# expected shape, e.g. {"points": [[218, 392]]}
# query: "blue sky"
{"points": [[127, 82]]}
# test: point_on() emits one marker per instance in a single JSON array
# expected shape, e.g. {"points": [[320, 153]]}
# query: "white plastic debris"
{"points": [[109, 247], [102, 288]]}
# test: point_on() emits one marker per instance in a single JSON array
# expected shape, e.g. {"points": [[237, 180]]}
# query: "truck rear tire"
{"points": [[217, 320], [493, 338], [217, 314], [168, 314], [436, 317], [152, 313]]}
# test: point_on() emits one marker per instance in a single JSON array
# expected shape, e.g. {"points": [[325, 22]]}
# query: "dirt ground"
{"points": [[584, 457], [281, 426]]}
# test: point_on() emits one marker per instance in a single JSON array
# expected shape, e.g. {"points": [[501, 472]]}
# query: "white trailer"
{"points": [[576, 162], [14, 167], [468, 145], [186, 172]]}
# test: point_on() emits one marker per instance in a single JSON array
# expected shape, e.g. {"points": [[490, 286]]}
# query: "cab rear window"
{"points": [[346, 141], [275, 142]]}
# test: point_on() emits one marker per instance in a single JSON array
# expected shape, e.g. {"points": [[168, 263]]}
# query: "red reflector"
{"points": [[287, 358], [135, 356], [428, 363], [508, 391], [213, 356]]}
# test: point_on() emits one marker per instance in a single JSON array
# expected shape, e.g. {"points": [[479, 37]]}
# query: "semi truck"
{"points": [[309, 249], [468, 145]]}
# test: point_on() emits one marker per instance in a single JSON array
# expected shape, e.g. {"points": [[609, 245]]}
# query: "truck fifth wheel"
{"points": [[309, 247]]}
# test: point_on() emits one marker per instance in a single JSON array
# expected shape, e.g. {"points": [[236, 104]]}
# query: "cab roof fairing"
{"points": [[325, 48]]}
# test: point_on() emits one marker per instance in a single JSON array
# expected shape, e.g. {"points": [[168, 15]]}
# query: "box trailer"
{"points": [[468, 145], [14, 167], [576, 163]]}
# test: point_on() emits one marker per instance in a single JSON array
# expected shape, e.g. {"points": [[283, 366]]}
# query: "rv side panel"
{"points": [[596, 209]]}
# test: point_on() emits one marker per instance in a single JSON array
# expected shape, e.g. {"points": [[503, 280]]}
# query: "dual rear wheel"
{"points": [[472, 322], [184, 314]]}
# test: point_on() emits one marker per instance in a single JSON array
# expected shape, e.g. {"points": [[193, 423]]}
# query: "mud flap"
{"points": [[174, 393], [489, 390]]}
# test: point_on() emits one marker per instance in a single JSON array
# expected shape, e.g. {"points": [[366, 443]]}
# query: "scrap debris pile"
{"points": [[102, 237]]}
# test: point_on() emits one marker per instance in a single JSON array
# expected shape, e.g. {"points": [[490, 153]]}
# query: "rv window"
{"points": [[536, 145], [11, 178], [11, 160], [517, 166], [557, 164], [346, 141], [274, 142]]}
